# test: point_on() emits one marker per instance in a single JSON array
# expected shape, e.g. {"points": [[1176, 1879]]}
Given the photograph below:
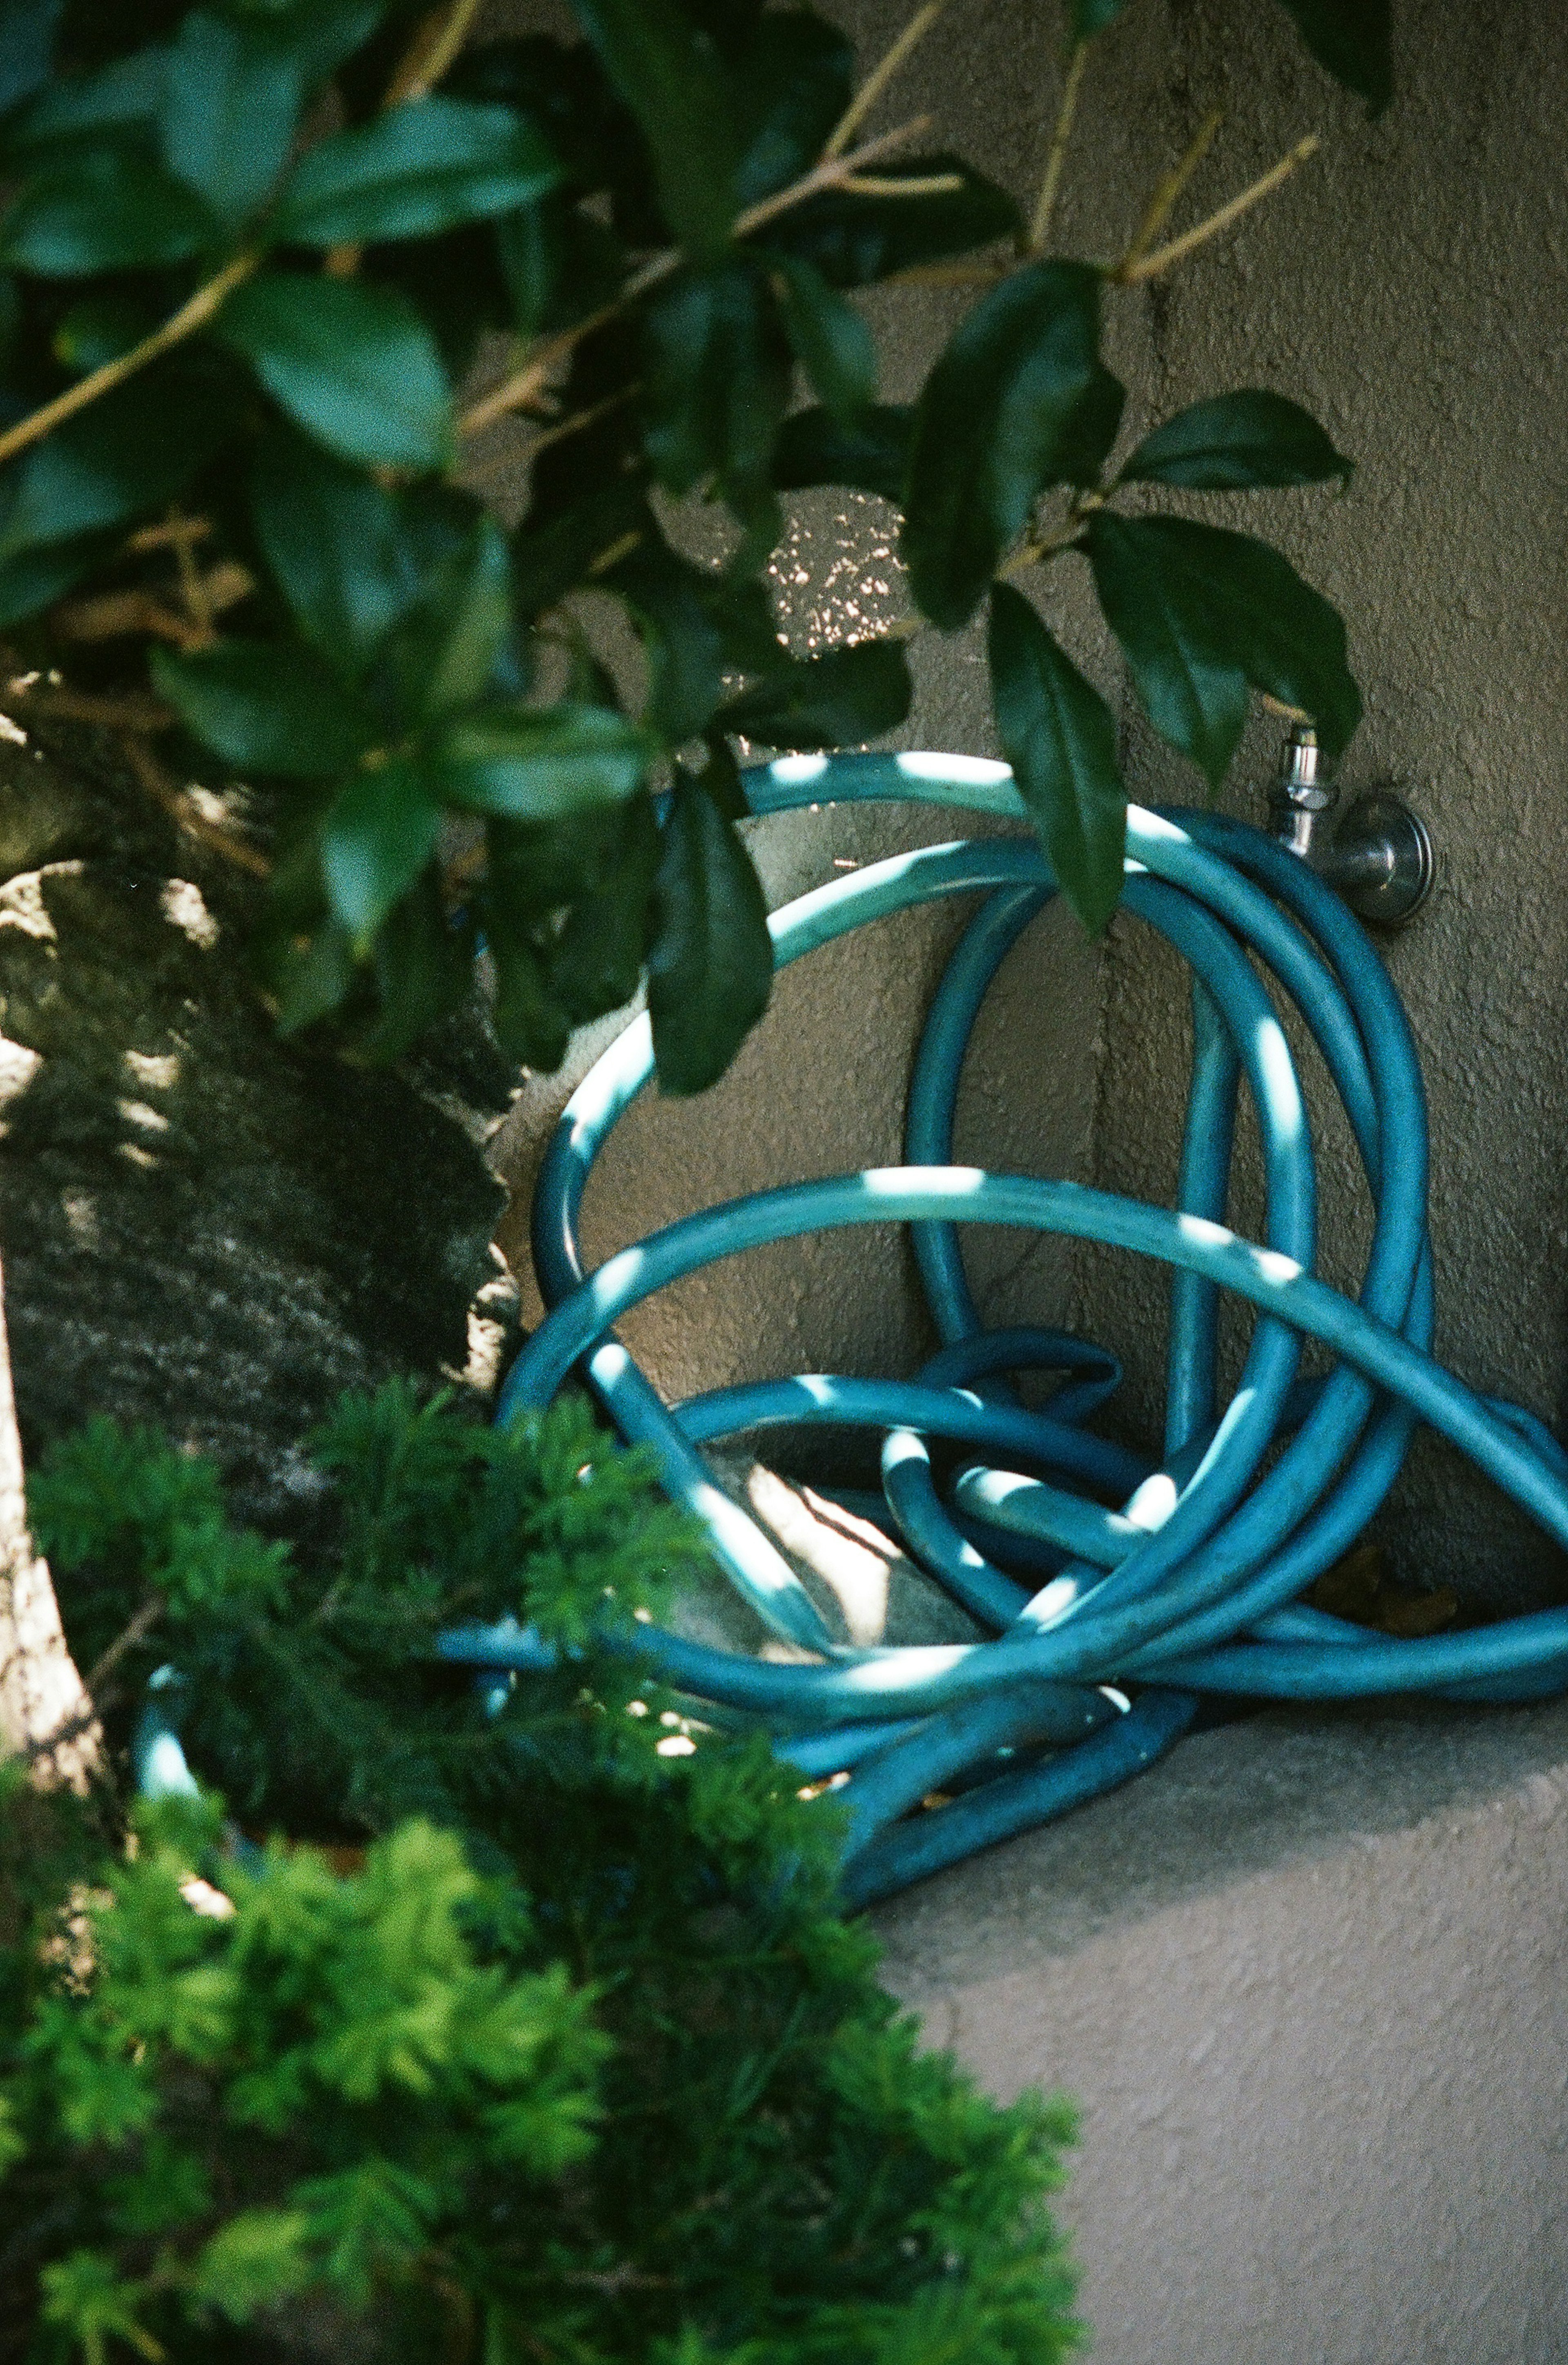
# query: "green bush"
{"points": [[551, 2047]]}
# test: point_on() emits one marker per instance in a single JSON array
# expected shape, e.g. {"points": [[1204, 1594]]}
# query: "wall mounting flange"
{"points": [[1376, 853]]}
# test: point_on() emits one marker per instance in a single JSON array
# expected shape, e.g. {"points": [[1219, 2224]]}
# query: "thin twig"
{"points": [[436, 43], [1149, 266], [516, 392], [1169, 188], [948, 274], [880, 75], [195, 313], [152, 777], [131, 712], [1045, 204], [137, 1631], [929, 184]]}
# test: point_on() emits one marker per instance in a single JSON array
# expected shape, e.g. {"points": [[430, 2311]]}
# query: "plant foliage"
{"points": [[540, 2037], [250, 262]]}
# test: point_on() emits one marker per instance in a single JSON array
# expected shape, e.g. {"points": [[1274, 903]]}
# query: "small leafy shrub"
{"points": [[546, 2043]]}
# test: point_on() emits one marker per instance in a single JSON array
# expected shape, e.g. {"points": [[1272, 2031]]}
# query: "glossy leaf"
{"points": [[1089, 434], [832, 343], [697, 627], [108, 208], [423, 965], [869, 452], [27, 48], [36, 578], [793, 79], [854, 240], [1201, 614], [1060, 736], [1351, 41], [669, 75], [559, 264], [263, 706], [377, 838], [310, 972], [716, 375], [539, 763], [994, 427], [355, 366], [127, 453], [710, 963], [597, 962], [121, 96], [446, 654], [334, 541], [231, 98], [422, 167], [1237, 440], [834, 700], [531, 1026]]}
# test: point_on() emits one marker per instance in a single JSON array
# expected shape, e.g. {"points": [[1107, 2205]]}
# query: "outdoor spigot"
{"points": [[1377, 854]]}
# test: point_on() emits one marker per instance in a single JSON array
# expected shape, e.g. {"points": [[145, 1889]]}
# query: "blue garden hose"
{"points": [[1108, 1618]]}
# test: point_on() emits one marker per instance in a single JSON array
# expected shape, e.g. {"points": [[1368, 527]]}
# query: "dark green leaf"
{"points": [[422, 167], [230, 102], [716, 375], [721, 779], [669, 75], [856, 239], [377, 838], [832, 343], [38, 577], [835, 701], [558, 87], [697, 627], [1092, 17], [1237, 440], [793, 79], [83, 105], [552, 554], [263, 707], [597, 961], [445, 656], [335, 543], [27, 48], [530, 1024], [1200, 614], [536, 763], [424, 970], [108, 208], [997, 422], [127, 453], [353, 365], [535, 869], [559, 264], [872, 452], [310, 972], [1060, 736], [1351, 41], [711, 964], [100, 329], [1090, 432]]}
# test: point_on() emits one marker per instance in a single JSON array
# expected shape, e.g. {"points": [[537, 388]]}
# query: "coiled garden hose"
{"points": [[1107, 1624]]}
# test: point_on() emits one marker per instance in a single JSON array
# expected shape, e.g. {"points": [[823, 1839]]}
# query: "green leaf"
{"points": [[530, 1024], [127, 453], [1060, 736], [27, 48], [1236, 440], [1200, 614], [377, 838], [72, 108], [669, 75], [871, 452], [1090, 432], [832, 342], [854, 241], [38, 577], [335, 543], [230, 102], [108, 208], [994, 427], [422, 167], [446, 654], [424, 970], [311, 973], [838, 699], [597, 960], [711, 964], [549, 555], [793, 79], [540, 764], [1351, 41], [355, 366], [263, 706], [100, 329], [558, 264], [697, 627], [716, 377]]}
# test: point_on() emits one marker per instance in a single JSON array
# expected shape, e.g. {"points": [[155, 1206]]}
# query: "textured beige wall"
{"points": [[1306, 1983]]}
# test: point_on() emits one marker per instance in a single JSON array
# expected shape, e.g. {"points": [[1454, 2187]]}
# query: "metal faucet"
{"points": [[1377, 854]]}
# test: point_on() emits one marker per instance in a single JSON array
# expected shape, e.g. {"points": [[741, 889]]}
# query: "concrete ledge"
{"points": [[1308, 1983]]}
